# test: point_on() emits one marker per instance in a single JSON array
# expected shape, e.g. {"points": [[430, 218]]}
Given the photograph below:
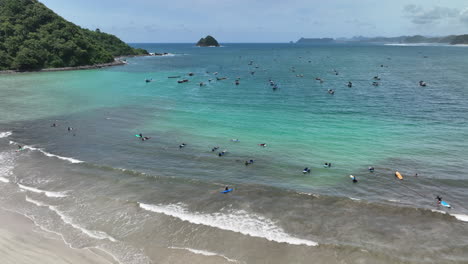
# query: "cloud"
{"points": [[464, 16], [412, 9], [420, 16]]}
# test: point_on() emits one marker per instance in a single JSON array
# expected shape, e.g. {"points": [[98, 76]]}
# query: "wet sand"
{"points": [[21, 242]]}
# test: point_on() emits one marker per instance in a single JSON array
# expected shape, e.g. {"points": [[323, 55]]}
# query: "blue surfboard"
{"points": [[228, 190], [444, 203]]}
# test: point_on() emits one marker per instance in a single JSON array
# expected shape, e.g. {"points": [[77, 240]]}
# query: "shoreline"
{"points": [[19, 234], [118, 61]]}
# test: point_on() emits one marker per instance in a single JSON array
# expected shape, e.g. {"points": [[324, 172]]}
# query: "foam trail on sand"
{"points": [[236, 221], [47, 193], [91, 233], [205, 253]]}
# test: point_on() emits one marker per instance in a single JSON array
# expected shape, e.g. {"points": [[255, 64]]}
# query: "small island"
{"points": [[209, 41]]}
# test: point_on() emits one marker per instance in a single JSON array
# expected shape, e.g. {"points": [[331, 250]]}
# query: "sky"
{"points": [[231, 21]]}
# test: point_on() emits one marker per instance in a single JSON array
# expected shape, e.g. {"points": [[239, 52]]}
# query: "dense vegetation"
{"points": [[34, 37], [209, 41], [461, 39]]}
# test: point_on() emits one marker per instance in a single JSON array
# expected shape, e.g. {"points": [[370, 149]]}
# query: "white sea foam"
{"points": [[5, 180], [417, 44], [354, 199], [68, 220], [6, 166], [71, 160], [461, 217], [47, 193], [5, 134], [205, 253], [236, 221]]}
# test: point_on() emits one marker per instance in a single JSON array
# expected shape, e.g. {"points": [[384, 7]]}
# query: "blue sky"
{"points": [[263, 20]]}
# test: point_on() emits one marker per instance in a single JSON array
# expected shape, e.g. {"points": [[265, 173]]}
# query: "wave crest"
{"points": [[236, 221]]}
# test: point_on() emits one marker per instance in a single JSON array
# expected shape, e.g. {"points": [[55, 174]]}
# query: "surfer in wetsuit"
{"points": [[371, 169], [354, 179], [227, 188], [439, 199]]}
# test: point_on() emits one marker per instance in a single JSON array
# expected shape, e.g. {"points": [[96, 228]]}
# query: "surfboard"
{"points": [[137, 135], [398, 175], [228, 190], [444, 203]]}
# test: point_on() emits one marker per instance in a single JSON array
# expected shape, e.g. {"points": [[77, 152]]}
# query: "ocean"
{"points": [[100, 186]]}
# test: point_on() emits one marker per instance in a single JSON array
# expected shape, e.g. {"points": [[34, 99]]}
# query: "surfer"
{"points": [[181, 145], [53, 125], [262, 145], [350, 84], [371, 169], [306, 170], [353, 178], [247, 162], [227, 188], [145, 138], [222, 153], [439, 199], [70, 128], [214, 149]]}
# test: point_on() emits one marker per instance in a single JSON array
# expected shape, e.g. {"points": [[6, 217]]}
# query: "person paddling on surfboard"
{"points": [[353, 178], [439, 199]]}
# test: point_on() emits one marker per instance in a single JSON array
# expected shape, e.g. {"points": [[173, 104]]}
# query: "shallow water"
{"points": [[151, 202]]}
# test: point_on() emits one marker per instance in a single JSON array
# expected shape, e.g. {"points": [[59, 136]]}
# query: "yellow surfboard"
{"points": [[398, 175]]}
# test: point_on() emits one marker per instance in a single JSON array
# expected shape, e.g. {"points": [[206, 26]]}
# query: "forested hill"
{"points": [[33, 37]]}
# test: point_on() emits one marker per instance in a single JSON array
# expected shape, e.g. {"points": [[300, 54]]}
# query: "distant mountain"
{"points": [[403, 39], [33, 37], [315, 40], [461, 39], [209, 41]]}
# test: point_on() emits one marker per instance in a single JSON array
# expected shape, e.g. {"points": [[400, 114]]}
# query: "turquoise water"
{"points": [[397, 125]]}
